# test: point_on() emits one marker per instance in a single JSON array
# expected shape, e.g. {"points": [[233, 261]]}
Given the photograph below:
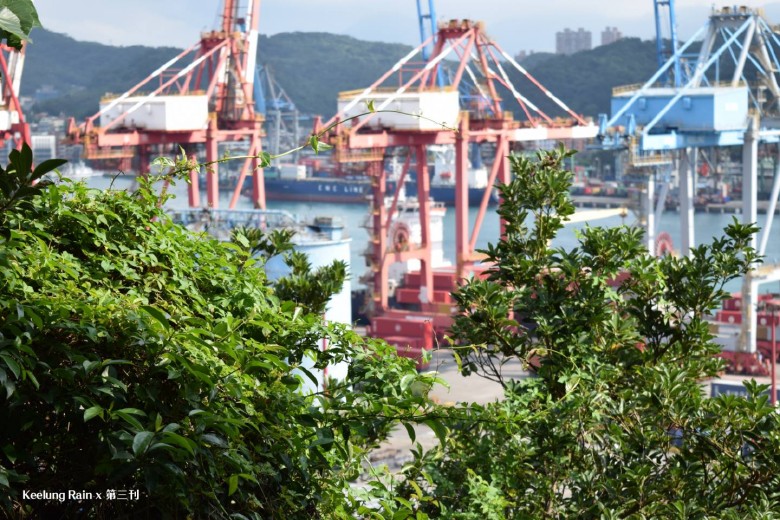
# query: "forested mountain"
{"points": [[80, 73], [71, 76], [584, 80], [311, 67], [314, 67]]}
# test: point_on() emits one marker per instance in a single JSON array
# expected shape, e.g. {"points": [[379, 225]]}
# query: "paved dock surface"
{"points": [[396, 450]]}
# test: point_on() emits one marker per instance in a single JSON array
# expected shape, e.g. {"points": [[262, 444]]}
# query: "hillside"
{"points": [[584, 80], [313, 68], [82, 72]]}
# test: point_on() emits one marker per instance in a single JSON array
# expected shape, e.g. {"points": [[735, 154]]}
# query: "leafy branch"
{"points": [[17, 19]]}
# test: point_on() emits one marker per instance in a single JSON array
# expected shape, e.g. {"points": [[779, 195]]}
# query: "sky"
{"points": [[528, 25]]}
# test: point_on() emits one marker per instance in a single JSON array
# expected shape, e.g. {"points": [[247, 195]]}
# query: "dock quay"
{"points": [[735, 207], [395, 451], [596, 201]]}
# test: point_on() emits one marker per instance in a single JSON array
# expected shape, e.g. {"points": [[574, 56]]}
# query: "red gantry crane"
{"points": [[202, 97], [13, 126], [466, 110]]}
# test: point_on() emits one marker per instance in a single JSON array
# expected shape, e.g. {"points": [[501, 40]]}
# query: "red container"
{"points": [[412, 295], [407, 295], [442, 280], [389, 326], [405, 342], [412, 348]]}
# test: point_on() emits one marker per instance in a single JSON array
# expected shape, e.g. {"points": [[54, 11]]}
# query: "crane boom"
{"points": [[663, 53]]}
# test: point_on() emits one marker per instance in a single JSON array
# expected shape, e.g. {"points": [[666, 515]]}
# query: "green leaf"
{"points": [[21, 159], [10, 23], [324, 438], [47, 166], [141, 442], [158, 315], [5, 382], [11, 363], [214, 440], [370, 106], [160, 445], [417, 490], [265, 160], [404, 512], [134, 411], [439, 429], [308, 374], [24, 11], [410, 431], [232, 484], [129, 419], [314, 142], [175, 438], [407, 381], [34, 317], [10, 453], [322, 441], [241, 239], [93, 411]]}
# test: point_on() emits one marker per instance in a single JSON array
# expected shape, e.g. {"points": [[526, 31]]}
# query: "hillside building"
{"points": [[610, 35], [569, 41]]}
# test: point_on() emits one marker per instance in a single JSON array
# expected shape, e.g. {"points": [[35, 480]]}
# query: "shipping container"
{"points": [[165, 113], [438, 108]]}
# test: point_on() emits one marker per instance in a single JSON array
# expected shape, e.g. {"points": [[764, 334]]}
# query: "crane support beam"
{"points": [[206, 101]]}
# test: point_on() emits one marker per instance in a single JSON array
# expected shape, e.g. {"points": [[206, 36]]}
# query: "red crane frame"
{"points": [[13, 125], [478, 57], [221, 65]]}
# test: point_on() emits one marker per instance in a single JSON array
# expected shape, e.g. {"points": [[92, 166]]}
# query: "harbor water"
{"points": [[707, 225]]}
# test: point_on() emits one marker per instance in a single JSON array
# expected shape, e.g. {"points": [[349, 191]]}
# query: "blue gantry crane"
{"points": [[428, 29], [281, 115], [727, 95], [666, 39]]}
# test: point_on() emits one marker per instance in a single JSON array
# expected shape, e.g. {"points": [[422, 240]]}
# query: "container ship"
{"points": [[291, 182], [442, 189], [442, 185], [301, 182]]}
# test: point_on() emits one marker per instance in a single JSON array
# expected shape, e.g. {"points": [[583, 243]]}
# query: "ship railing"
{"points": [[622, 89], [220, 222]]}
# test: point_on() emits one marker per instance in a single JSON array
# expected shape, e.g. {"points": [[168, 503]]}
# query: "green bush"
{"points": [[613, 421], [135, 355]]}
